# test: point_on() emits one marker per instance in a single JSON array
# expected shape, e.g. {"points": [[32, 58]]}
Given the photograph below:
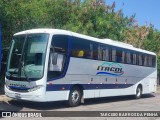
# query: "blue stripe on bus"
{"points": [[58, 87], [18, 88], [107, 73]]}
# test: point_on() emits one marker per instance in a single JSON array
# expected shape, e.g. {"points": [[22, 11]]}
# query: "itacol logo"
{"points": [[110, 68]]}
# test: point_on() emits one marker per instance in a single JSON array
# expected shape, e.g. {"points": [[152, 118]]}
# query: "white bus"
{"points": [[54, 65]]}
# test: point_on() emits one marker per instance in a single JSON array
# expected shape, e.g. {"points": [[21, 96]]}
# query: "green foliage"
{"points": [[90, 17], [158, 64]]}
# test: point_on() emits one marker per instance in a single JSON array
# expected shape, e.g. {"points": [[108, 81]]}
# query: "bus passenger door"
{"points": [[58, 57]]}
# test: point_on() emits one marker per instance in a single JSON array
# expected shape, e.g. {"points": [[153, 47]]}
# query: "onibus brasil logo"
{"points": [[110, 68]]}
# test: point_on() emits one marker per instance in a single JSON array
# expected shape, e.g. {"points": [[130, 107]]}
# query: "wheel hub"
{"points": [[75, 96]]}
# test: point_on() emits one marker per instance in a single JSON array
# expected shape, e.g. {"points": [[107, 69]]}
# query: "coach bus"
{"points": [[56, 65]]}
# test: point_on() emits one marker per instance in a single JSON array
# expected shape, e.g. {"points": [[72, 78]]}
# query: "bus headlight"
{"points": [[35, 88]]}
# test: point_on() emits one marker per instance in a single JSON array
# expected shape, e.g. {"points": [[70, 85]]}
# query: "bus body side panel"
{"points": [[85, 71], [57, 95]]}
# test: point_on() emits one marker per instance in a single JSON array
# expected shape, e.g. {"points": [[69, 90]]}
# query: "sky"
{"points": [[147, 11]]}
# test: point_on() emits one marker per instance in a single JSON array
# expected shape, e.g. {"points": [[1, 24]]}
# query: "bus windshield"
{"points": [[27, 56]]}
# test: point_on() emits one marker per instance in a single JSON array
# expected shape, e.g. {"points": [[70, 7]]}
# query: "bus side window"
{"points": [[150, 61], [140, 59], [60, 43], [99, 52], [81, 48], [91, 51], [146, 60], [95, 51], [131, 54], [113, 55], [134, 59], [123, 57], [128, 59], [153, 61], [119, 56], [105, 53]]}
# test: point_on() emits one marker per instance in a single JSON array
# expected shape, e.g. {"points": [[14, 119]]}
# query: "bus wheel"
{"points": [[138, 92], [74, 97]]}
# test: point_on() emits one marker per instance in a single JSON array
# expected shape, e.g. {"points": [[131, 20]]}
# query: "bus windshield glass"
{"points": [[27, 56]]}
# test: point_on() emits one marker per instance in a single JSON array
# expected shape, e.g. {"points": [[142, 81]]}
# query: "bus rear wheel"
{"points": [[75, 97], [138, 92]]}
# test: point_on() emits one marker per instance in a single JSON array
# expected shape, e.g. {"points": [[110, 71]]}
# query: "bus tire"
{"points": [[75, 97], [138, 92]]}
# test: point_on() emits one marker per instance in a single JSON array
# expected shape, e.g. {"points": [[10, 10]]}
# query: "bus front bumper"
{"points": [[28, 96]]}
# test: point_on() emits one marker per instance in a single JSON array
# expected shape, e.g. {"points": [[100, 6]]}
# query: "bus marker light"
{"points": [[63, 88], [50, 83]]}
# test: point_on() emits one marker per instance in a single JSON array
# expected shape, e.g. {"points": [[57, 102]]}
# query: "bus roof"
{"points": [[104, 41]]}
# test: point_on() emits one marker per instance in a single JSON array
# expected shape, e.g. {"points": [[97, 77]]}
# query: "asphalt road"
{"points": [[149, 102]]}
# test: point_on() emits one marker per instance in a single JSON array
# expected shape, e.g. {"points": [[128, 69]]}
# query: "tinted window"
{"points": [[114, 54], [153, 61], [123, 57], [82, 48], [100, 48], [119, 56], [146, 60], [95, 51], [102, 52], [92, 50], [140, 59], [60, 43], [134, 56], [105, 53], [128, 57]]}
